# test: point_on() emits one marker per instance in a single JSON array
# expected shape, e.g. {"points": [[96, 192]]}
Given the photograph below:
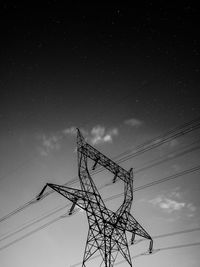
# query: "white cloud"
{"points": [[191, 210], [191, 207], [167, 204], [173, 201], [133, 122], [99, 135], [175, 193], [49, 143], [71, 131]]}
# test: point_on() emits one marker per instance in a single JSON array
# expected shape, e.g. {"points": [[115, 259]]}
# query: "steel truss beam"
{"points": [[107, 229]]}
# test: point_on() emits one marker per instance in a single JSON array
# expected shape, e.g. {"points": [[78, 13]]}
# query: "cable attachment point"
{"points": [[132, 238], [95, 163], [41, 193], [115, 177], [72, 207], [151, 246]]}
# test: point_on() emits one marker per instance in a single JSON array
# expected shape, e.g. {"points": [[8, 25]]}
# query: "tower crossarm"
{"points": [[128, 196], [134, 226], [99, 158], [107, 229], [128, 223], [78, 197]]}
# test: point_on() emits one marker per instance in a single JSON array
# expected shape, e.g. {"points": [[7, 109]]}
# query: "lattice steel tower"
{"points": [[107, 229]]}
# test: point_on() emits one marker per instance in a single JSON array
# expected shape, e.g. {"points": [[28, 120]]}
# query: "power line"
{"points": [[162, 160], [165, 135], [136, 171], [171, 177], [23, 163], [32, 222], [29, 233], [158, 141], [155, 250], [167, 157], [19, 209], [141, 149], [108, 199], [173, 233], [180, 246], [18, 167], [163, 141]]}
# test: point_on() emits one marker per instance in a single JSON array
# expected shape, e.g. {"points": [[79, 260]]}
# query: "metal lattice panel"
{"points": [[107, 229]]}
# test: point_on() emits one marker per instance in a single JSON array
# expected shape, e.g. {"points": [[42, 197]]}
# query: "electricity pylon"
{"points": [[107, 229]]}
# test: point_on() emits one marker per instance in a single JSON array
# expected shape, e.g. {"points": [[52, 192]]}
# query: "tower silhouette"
{"points": [[107, 229]]}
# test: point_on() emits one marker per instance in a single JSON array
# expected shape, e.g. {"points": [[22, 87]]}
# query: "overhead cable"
{"points": [[139, 149]]}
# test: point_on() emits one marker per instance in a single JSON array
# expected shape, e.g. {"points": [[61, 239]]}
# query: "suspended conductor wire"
{"points": [[23, 163], [106, 200], [146, 253], [157, 250], [141, 149], [165, 179], [162, 136], [32, 222]]}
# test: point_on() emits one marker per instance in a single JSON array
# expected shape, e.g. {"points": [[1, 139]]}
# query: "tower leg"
{"points": [[90, 248]]}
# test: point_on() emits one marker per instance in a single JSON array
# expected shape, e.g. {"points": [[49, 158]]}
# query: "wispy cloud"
{"points": [[191, 208], [49, 143], [133, 122], [100, 135], [96, 136], [173, 202], [167, 204], [70, 131]]}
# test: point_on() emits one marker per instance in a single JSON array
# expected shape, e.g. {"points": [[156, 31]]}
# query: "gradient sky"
{"points": [[123, 75]]}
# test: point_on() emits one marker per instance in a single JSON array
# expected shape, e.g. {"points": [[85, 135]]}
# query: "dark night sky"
{"points": [[123, 75], [55, 58]]}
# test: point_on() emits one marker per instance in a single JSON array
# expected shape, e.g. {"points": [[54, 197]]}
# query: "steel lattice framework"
{"points": [[107, 229]]}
